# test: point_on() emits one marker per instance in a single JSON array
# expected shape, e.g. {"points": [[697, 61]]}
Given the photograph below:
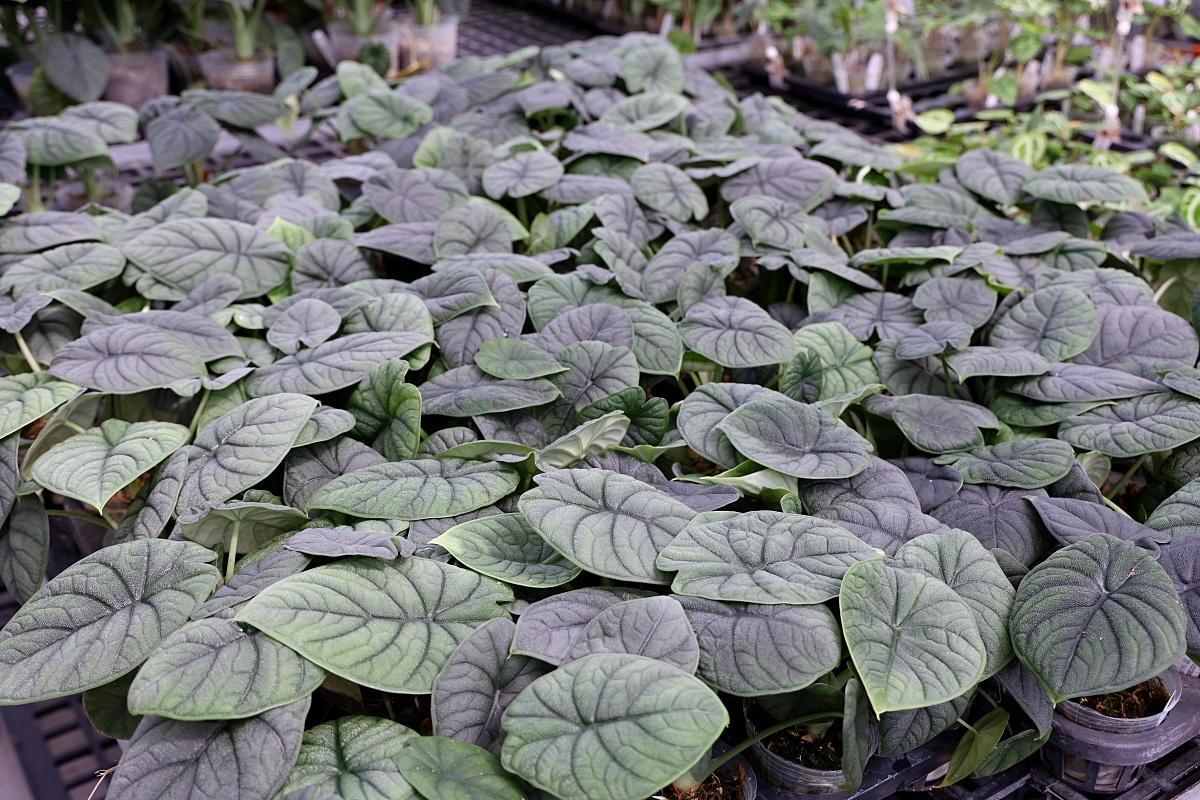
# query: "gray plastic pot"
{"points": [[1100, 754]]}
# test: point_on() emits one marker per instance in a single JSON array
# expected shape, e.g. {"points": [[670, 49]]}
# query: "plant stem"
{"points": [[199, 412], [233, 543], [59, 512], [25, 351], [729, 754], [1129, 473], [946, 374], [72, 426]]}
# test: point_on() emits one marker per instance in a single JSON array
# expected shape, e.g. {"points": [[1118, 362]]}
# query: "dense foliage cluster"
{"points": [[590, 398]]}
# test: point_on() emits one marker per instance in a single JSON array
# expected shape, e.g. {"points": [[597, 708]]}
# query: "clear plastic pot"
{"points": [[224, 73], [137, 78], [431, 47], [20, 75], [786, 774], [347, 45]]}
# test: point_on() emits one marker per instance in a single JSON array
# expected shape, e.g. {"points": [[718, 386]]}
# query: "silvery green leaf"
{"points": [[94, 465], [240, 109], [935, 424], [353, 758], [449, 293], [139, 592], [387, 114], [621, 216], [326, 263], [546, 629], [1007, 362], [445, 769], [472, 228], [414, 490], [522, 174], [28, 233], [998, 518], [958, 560], [28, 396], [1021, 464], [913, 640], [854, 151], [358, 618], [748, 649], [844, 363], [24, 547], [242, 447], [903, 731], [372, 538], [461, 338], [596, 371], [890, 316], [934, 338], [966, 300], [308, 322], [601, 137], [387, 411], [72, 266], [1079, 183], [771, 221], [1179, 559], [795, 439], [212, 669], [1174, 515], [933, 484], [308, 469], [506, 547], [333, 365], [515, 359], [1103, 591], [571, 709], [880, 524], [239, 526], [995, 176], [715, 250], [250, 757], [653, 66], [762, 557], [468, 391], [796, 180], [1070, 521], [477, 684], [1136, 426], [215, 294], [735, 332], [126, 359], [206, 338], [174, 258], [54, 142], [181, 136], [107, 709], [666, 188], [1057, 322], [596, 322], [649, 418], [607, 523], [590, 438], [645, 112], [703, 410], [1141, 339], [879, 481], [1071, 383], [654, 627], [325, 423]]}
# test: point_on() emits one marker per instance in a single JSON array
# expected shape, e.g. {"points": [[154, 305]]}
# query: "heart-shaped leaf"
{"points": [[1129, 428], [1021, 464], [1057, 322], [138, 592], [547, 628], [358, 618], [914, 641], [333, 365], [444, 769], [24, 547], [421, 489], [1079, 183], [507, 548], [795, 439], [995, 176], [468, 391], [353, 758], [28, 396], [655, 627], [578, 710], [98, 463], [213, 669], [1097, 616], [734, 332]]}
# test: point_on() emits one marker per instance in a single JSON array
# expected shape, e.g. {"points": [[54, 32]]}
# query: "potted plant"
{"points": [[135, 31], [246, 67], [431, 32], [351, 24]]}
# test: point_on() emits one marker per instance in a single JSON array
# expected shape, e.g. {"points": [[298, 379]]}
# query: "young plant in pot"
{"points": [[75, 144], [352, 24], [135, 30], [246, 67], [431, 32]]}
